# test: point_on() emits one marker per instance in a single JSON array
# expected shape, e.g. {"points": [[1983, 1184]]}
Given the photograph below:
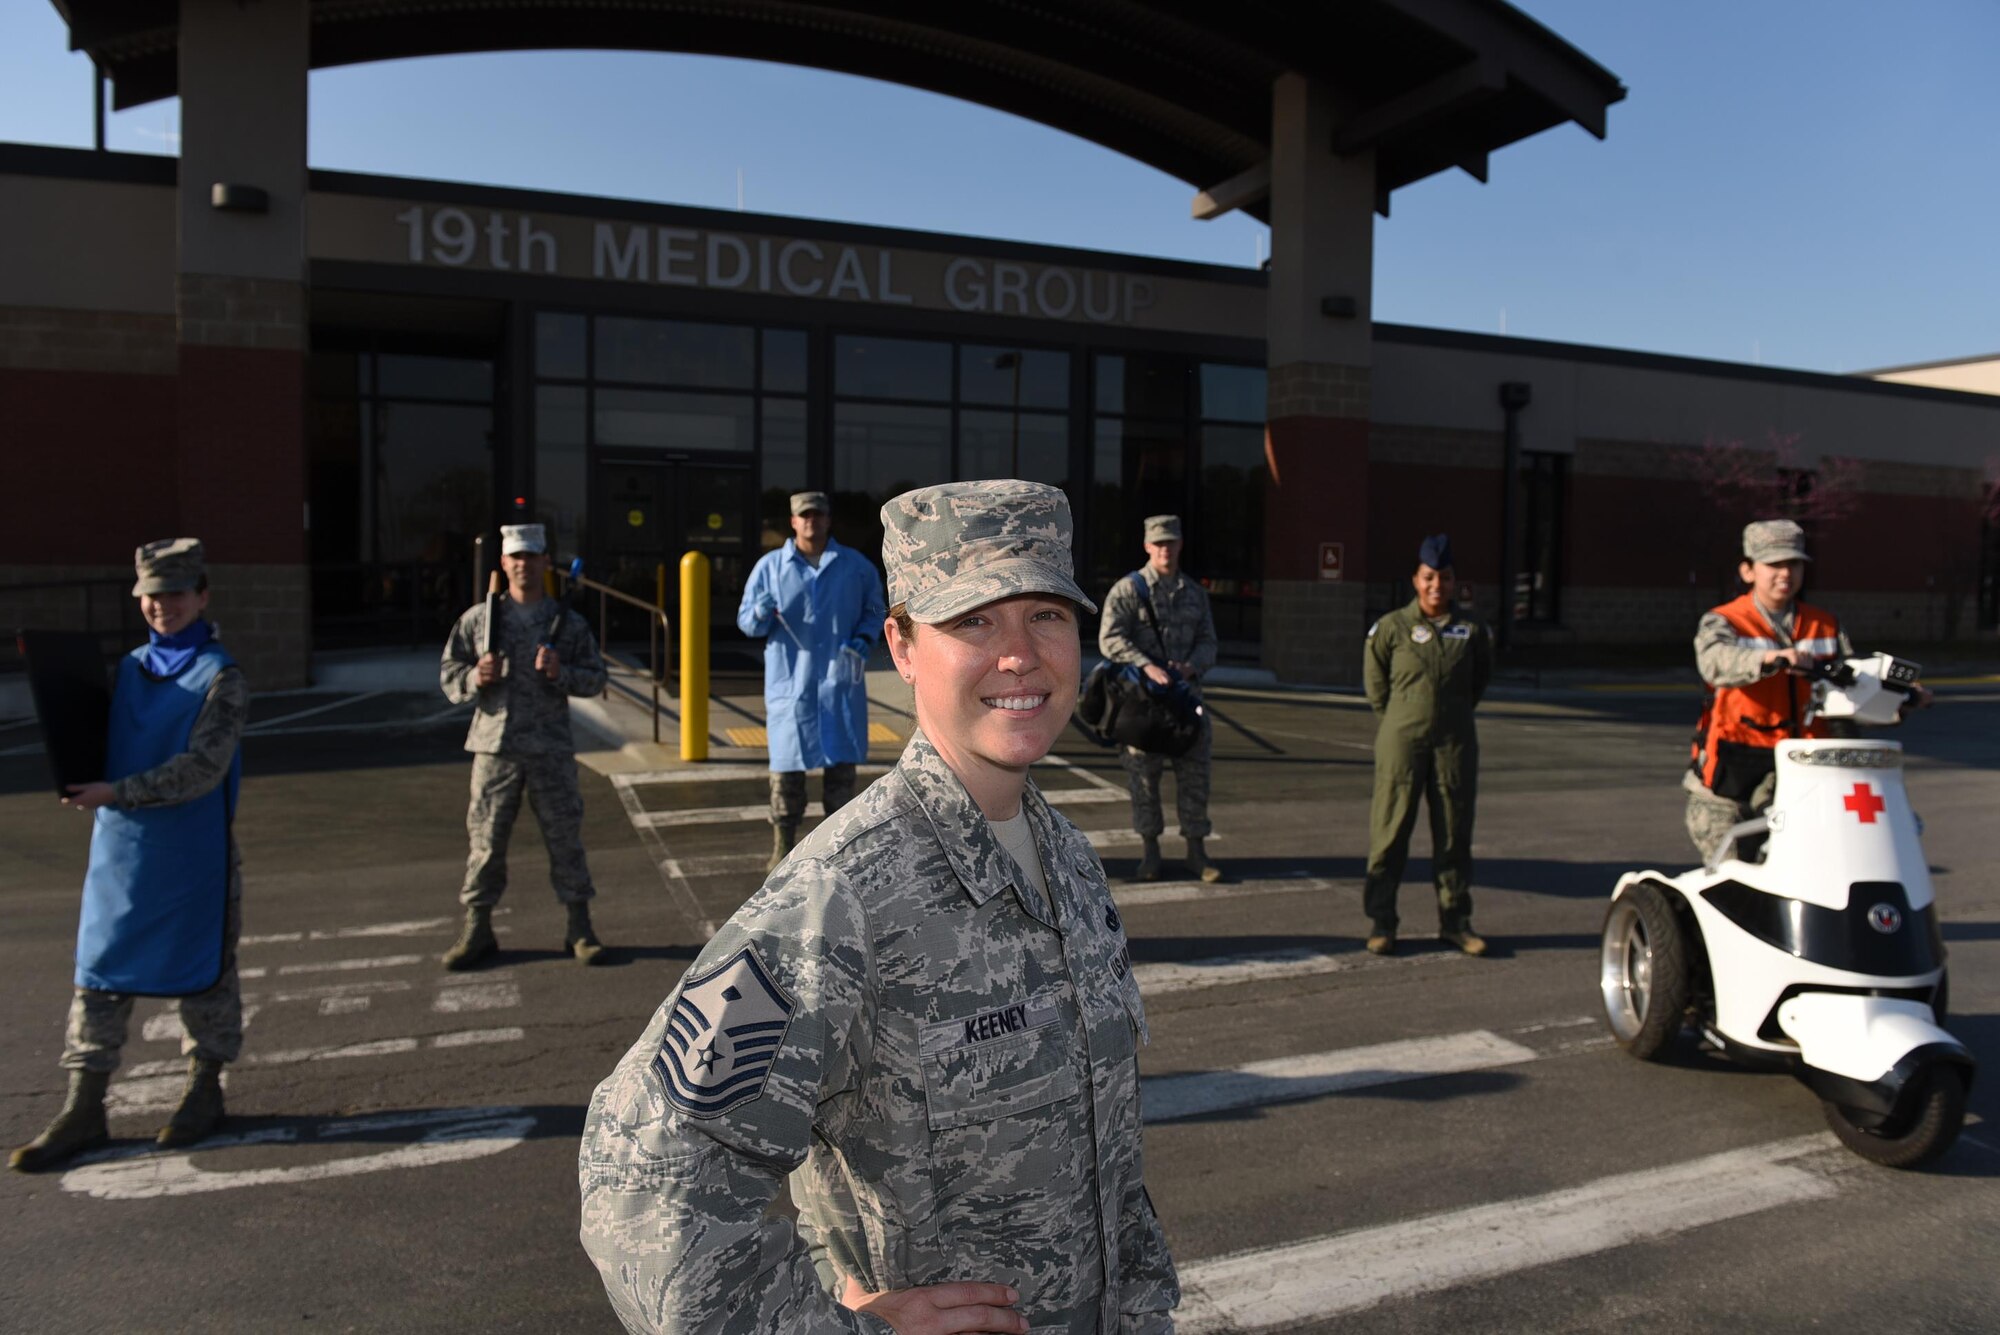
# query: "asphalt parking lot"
{"points": [[1434, 1140]]}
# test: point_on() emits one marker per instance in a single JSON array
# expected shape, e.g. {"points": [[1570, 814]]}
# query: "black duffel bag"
{"points": [[1121, 706]]}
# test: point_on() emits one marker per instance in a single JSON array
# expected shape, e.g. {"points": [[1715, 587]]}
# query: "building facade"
{"points": [[651, 380]]}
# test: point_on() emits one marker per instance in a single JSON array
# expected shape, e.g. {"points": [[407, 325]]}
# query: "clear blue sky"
{"points": [[1806, 183]]}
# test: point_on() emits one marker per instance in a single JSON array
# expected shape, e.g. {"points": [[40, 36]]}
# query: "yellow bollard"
{"points": [[694, 656]]}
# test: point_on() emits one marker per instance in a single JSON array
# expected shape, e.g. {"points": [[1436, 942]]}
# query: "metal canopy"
{"points": [[1183, 86]]}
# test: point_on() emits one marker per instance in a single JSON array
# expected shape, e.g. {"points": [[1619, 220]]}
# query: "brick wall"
{"points": [[219, 311], [34, 338], [1317, 389], [1313, 630]]}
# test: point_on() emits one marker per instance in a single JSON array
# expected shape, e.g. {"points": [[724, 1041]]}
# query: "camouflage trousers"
{"points": [[211, 1021], [497, 783], [788, 793], [1709, 818], [1192, 774]]}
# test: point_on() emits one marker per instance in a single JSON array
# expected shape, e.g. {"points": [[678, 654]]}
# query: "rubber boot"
{"points": [[580, 940], [79, 1126], [201, 1105], [1149, 859], [475, 943], [1198, 863], [782, 839]]}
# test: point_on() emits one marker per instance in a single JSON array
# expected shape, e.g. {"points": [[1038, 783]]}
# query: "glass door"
{"points": [[649, 513]]}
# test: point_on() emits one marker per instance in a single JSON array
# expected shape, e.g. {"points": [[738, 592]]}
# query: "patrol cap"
{"points": [[1435, 551], [1163, 528], [960, 545], [531, 538], [171, 565], [803, 501], [1774, 540]]}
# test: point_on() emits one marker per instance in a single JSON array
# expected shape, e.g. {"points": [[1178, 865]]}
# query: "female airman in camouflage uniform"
{"points": [[926, 1018]]}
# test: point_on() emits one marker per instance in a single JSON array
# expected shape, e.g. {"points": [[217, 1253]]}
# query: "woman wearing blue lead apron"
{"points": [[161, 900]]}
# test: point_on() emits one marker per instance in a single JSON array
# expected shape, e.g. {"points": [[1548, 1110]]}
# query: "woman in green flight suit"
{"points": [[1425, 668]]}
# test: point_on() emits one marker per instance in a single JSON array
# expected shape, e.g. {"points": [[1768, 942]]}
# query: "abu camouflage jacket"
{"points": [[945, 1069]]}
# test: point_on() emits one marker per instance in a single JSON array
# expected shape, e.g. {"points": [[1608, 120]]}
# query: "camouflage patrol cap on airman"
{"points": [[1774, 540], [803, 501], [170, 565], [1163, 528], [530, 538], [951, 548]]}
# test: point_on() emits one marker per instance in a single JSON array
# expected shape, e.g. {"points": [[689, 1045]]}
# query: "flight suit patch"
{"points": [[1457, 631], [1420, 634]]}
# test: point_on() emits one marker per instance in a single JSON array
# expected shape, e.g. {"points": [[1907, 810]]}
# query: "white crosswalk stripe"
{"points": [[1294, 1284], [1164, 979]]}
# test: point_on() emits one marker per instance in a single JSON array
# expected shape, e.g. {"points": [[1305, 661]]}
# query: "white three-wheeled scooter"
{"points": [[1825, 958]]}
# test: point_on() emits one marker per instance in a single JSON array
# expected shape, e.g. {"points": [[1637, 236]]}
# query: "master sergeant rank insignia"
{"points": [[722, 1037]]}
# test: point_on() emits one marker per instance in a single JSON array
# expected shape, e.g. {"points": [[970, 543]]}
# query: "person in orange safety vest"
{"points": [[1744, 650]]}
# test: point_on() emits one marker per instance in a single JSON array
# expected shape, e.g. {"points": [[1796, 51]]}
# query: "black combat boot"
{"points": [[1149, 859], [1198, 863], [580, 940], [783, 836], [78, 1127], [201, 1105], [475, 943]]}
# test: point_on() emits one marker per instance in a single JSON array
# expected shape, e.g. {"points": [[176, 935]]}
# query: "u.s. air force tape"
{"points": [[722, 1036]]}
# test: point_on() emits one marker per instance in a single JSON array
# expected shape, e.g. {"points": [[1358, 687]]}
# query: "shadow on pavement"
{"points": [[614, 956], [1972, 931], [1397, 1086]]}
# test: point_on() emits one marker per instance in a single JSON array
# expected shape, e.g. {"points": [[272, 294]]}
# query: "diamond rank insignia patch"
{"points": [[722, 1037]]}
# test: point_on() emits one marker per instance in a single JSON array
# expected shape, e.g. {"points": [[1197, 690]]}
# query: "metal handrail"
{"points": [[659, 630]]}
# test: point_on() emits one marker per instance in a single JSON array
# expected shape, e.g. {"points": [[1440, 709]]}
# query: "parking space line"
{"points": [[1175, 892], [341, 703], [1165, 979], [488, 996], [468, 1037], [1310, 1281], [339, 966], [408, 927]]}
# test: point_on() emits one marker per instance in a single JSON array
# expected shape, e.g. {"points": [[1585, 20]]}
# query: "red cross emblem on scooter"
{"points": [[1864, 804]]}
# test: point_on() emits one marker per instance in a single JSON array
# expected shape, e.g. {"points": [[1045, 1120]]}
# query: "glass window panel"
{"points": [[560, 465], [462, 378], [1030, 377], [675, 352], [1226, 550], [987, 446], [1143, 385], [880, 451], [433, 480], [650, 419], [1137, 469], [784, 467], [559, 350], [892, 368], [785, 361], [1232, 393]]}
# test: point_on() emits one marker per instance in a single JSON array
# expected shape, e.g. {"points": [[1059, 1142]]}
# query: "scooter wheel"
{"points": [[1643, 973], [1933, 1112]]}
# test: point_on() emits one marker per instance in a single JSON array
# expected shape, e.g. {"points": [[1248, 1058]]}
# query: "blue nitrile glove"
{"points": [[855, 664], [767, 607]]}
